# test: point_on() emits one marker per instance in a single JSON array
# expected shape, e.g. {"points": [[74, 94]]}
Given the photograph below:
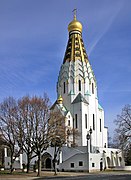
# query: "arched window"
{"points": [[68, 122], [79, 85], [92, 88]]}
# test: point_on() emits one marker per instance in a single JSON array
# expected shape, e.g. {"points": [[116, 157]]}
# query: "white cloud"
{"points": [[106, 19]]}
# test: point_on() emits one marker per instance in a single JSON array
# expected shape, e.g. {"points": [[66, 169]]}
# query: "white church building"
{"points": [[77, 99]]}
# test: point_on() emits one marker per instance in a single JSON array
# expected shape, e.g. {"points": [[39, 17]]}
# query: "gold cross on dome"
{"points": [[74, 11]]}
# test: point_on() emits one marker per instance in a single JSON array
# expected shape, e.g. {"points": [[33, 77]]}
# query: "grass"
{"points": [[18, 172]]}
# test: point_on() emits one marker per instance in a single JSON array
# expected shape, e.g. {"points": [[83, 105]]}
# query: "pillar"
{"points": [[21, 166], [5, 149]]}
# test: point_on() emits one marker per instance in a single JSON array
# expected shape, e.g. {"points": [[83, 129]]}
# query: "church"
{"points": [[77, 100]]}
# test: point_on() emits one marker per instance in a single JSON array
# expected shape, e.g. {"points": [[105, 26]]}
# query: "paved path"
{"points": [[123, 175]]}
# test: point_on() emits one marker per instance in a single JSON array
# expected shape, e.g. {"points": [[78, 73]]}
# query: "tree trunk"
{"points": [[39, 164], [54, 161], [55, 168], [28, 163], [11, 165]]}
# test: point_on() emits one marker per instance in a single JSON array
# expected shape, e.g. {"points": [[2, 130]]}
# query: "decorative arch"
{"points": [[120, 160], [46, 161]]}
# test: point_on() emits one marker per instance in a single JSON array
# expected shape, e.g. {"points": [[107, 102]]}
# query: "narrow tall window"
{"points": [[76, 121], [86, 121], [93, 122], [68, 122], [92, 88], [100, 125], [79, 85], [73, 123], [64, 90]]}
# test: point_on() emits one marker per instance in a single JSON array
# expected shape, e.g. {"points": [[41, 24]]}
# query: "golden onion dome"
{"points": [[75, 25], [60, 99]]}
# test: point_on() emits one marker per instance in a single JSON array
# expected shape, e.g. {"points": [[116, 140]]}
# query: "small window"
{"points": [[93, 122], [86, 121], [93, 164], [92, 88], [68, 122], [64, 90], [72, 165], [79, 85], [80, 163], [100, 125]]}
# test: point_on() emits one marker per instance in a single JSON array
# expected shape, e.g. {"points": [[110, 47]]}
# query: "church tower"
{"points": [[78, 89]]}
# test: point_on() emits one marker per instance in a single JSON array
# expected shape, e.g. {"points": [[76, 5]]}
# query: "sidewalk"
{"points": [[44, 174], [48, 174]]}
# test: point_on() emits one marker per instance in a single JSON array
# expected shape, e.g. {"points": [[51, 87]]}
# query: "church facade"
{"points": [[77, 99]]}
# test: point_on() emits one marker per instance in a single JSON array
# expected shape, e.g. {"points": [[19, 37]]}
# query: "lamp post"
{"points": [[89, 137]]}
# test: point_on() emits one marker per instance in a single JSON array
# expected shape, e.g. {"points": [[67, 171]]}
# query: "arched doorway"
{"points": [[120, 160], [108, 162], [101, 166], [48, 163]]}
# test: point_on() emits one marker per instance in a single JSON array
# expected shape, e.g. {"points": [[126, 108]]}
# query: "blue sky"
{"points": [[33, 39]]}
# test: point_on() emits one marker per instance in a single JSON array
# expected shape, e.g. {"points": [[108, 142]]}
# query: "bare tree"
{"points": [[122, 137], [3, 144], [110, 141], [59, 134], [24, 128], [8, 111], [24, 123], [39, 119]]}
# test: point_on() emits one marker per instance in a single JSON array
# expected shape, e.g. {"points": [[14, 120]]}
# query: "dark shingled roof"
{"points": [[80, 98]]}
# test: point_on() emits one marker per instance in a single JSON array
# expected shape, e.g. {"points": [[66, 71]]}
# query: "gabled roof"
{"points": [[99, 107], [62, 108], [52, 107], [80, 98]]}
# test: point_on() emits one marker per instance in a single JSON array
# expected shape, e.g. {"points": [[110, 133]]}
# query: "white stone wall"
{"points": [[76, 160], [71, 73], [85, 110], [94, 162], [104, 159]]}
